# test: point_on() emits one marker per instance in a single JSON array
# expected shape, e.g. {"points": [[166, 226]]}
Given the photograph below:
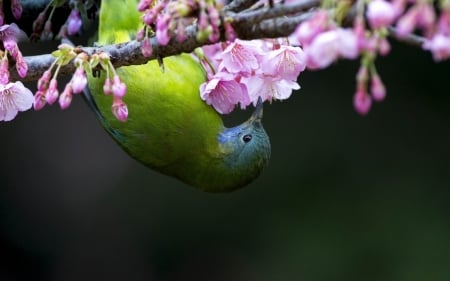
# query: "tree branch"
{"points": [[263, 23]]}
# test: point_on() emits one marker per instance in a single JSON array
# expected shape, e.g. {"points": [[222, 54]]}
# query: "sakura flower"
{"points": [[118, 88], [16, 9], [329, 46], [287, 62], [66, 96], [241, 56], [21, 65], [4, 71], [39, 100], [377, 88], [439, 46], [224, 93], [9, 34], [162, 29], [268, 87], [407, 23], [79, 80], [120, 109], [380, 13], [52, 92], [14, 97], [74, 22], [309, 29], [362, 102]]}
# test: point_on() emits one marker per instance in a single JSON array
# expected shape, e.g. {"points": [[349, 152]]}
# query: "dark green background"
{"points": [[344, 198]]}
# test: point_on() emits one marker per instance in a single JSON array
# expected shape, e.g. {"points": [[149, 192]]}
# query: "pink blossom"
{"points": [[399, 6], [439, 46], [229, 31], [362, 102], [286, 62], [162, 29], [309, 29], [214, 19], [120, 109], [79, 80], [330, 45], [21, 65], [268, 87], [443, 24], [66, 97], [39, 100], [224, 93], [119, 89], [107, 86], [4, 71], [348, 46], [359, 29], [144, 5], [74, 22], [380, 13], [426, 16], [14, 97], [43, 81], [51, 95], [407, 23], [213, 53], [384, 47], [377, 88], [241, 56], [9, 34], [16, 9]]}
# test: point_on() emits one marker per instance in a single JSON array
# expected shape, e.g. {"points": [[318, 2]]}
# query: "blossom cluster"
{"points": [[164, 18], [14, 96], [324, 40], [240, 72], [47, 86], [42, 25]]}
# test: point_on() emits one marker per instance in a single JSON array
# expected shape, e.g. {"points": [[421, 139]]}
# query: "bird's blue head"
{"points": [[246, 148]]}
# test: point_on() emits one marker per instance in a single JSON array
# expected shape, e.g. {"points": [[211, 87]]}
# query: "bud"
{"points": [[380, 14], [362, 102], [119, 89], [39, 100], [120, 109], [377, 88], [79, 80], [52, 93], [66, 97]]}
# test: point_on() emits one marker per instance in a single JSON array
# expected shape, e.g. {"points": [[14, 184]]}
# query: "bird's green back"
{"points": [[169, 128]]}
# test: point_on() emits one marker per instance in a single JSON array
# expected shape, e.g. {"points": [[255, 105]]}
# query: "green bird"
{"points": [[169, 128]]}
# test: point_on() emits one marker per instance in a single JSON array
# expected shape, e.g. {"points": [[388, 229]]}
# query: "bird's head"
{"points": [[246, 149]]}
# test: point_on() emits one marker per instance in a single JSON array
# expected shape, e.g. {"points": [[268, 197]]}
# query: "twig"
{"points": [[239, 5], [277, 11], [411, 39]]}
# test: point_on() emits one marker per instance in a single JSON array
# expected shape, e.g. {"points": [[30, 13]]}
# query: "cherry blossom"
{"points": [[14, 97]]}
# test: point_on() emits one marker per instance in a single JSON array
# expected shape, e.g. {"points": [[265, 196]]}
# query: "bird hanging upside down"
{"points": [[169, 128]]}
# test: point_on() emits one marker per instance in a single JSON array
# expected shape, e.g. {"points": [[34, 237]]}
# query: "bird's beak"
{"points": [[258, 113]]}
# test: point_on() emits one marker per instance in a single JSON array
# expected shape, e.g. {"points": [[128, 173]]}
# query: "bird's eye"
{"points": [[247, 138]]}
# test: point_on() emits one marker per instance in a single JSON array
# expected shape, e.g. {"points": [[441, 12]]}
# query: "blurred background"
{"points": [[344, 197]]}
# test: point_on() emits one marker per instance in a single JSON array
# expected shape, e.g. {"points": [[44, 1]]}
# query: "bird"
{"points": [[170, 129]]}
